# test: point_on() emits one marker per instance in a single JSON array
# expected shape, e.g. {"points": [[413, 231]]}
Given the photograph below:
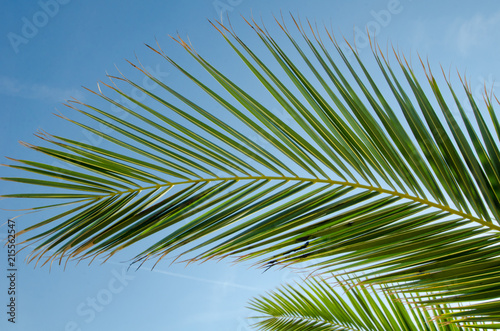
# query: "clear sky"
{"points": [[50, 48]]}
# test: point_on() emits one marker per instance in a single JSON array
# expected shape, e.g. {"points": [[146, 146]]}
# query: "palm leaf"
{"points": [[368, 177], [315, 304]]}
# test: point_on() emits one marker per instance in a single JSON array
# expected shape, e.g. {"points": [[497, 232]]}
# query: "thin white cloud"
{"points": [[14, 88], [219, 284], [475, 31]]}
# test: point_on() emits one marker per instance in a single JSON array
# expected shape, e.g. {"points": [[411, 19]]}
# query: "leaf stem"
{"points": [[324, 181]]}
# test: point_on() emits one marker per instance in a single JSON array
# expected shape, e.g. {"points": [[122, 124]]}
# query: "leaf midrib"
{"points": [[312, 319], [323, 181]]}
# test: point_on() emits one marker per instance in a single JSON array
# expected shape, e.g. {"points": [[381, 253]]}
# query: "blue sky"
{"points": [[50, 49]]}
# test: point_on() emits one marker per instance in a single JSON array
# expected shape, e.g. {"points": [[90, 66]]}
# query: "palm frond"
{"points": [[315, 304], [368, 177]]}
